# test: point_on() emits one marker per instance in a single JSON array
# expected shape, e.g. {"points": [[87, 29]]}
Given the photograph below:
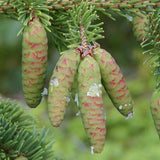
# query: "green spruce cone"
{"points": [[139, 26], [91, 103], [155, 109], [60, 85], [21, 158], [34, 61], [114, 82]]}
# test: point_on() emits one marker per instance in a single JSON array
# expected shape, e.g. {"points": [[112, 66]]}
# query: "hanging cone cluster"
{"points": [[34, 61], [84, 71], [81, 71], [86, 74], [155, 109]]}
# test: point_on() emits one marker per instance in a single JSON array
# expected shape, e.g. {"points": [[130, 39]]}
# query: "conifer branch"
{"points": [[151, 44], [7, 7], [19, 137], [82, 29]]}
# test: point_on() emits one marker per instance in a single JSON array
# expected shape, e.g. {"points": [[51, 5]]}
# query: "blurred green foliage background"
{"points": [[133, 139]]}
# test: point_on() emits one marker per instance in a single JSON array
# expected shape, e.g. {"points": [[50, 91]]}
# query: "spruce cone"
{"points": [[21, 158], [34, 61], [114, 82], [155, 109], [139, 26], [91, 103], [60, 85]]}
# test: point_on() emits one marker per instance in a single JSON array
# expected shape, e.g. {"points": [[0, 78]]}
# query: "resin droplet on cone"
{"points": [[91, 103], [34, 61], [155, 109], [60, 85], [114, 82]]}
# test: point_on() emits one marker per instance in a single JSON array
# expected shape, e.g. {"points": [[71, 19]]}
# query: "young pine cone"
{"points": [[60, 85], [155, 109], [114, 82], [34, 61], [91, 103], [139, 26]]}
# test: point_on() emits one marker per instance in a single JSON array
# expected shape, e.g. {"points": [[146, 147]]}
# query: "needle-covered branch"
{"points": [[6, 7], [19, 137]]}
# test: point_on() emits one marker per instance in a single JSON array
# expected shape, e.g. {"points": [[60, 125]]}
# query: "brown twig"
{"points": [[83, 37], [84, 49]]}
